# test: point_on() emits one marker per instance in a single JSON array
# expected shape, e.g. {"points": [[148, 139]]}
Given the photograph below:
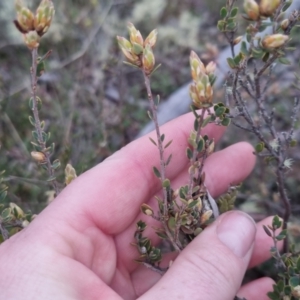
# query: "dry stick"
{"points": [[37, 120], [176, 243]]}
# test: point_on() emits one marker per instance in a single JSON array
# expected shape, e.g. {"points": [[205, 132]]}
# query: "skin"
{"points": [[79, 246]]}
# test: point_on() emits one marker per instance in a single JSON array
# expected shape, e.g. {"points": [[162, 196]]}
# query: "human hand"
{"points": [[79, 246]]}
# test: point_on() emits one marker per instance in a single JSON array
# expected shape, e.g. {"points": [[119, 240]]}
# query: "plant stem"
{"points": [[195, 153], [158, 136], [37, 120], [164, 215]]}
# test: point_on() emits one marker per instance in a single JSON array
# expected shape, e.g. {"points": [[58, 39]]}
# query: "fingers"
{"points": [[256, 289], [213, 265], [109, 195]]}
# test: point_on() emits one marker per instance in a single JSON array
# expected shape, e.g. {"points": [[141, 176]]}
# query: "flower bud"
{"points": [[135, 35], [252, 9], [151, 39], [25, 18], [237, 40], [70, 174], [43, 17], [274, 41], [206, 216], [210, 68], [25, 223], [197, 66], [146, 209], [268, 7], [38, 156], [296, 291], [127, 50], [148, 60], [284, 24], [16, 210]]}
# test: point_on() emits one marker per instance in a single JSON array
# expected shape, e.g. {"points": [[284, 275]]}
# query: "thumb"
{"points": [[213, 265]]}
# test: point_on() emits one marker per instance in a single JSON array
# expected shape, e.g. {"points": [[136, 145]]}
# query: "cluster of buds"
{"points": [[33, 26], [138, 51], [265, 8], [201, 90]]}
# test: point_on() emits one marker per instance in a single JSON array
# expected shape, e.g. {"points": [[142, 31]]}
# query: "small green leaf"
{"points": [[223, 12], [231, 63], [35, 135], [189, 153], [276, 222], [259, 147], [3, 196], [166, 183], [196, 125], [244, 49], [31, 120], [162, 137], [168, 144], [267, 231], [152, 141], [149, 114], [206, 121], [220, 111], [171, 223], [157, 100], [168, 160], [162, 235], [200, 145], [286, 5], [282, 235], [284, 61], [234, 12], [226, 122], [156, 172], [221, 25], [137, 48], [294, 281], [40, 70], [55, 164], [193, 203], [52, 178]]}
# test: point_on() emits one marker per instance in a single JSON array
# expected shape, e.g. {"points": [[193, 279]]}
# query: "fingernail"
{"points": [[237, 232]]}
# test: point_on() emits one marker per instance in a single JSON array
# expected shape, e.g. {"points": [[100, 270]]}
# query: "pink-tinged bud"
{"points": [[135, 35], [127, 50], [274, 41], [38, 156], [148, 60], [197, 66], [252, 9], [25, 18], [268, 7], [43, 16], [210, 68], [151, 39], [32, 39], [206, 216]]}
